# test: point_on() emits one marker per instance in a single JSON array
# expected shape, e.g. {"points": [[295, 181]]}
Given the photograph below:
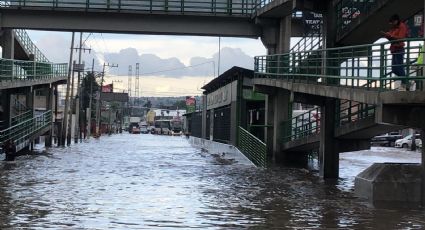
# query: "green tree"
{"points": [[89, 81]]}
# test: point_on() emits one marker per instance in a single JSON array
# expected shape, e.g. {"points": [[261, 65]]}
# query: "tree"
{"points": [[89, 81], [180, 104]]}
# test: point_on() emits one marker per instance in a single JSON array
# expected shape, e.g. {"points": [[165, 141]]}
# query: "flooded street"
{"points": [[161, 182]]}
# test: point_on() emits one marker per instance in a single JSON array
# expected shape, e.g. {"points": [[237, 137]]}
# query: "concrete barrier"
{"points": [[216, 148], [391, 185]]}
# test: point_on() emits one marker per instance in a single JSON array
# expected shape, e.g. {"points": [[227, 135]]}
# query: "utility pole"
{"points": [[98, 106], [65, 114], [68, 136], [137, 95], [78, 96], [90, 101]]}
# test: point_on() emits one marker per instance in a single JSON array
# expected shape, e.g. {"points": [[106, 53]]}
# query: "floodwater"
{"points": [[159, 182]]}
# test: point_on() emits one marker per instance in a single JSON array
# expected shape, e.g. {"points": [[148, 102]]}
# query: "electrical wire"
{"points": [[169, 70]]}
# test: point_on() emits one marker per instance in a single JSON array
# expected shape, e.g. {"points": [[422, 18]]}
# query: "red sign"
{"points": [[108, 88]]}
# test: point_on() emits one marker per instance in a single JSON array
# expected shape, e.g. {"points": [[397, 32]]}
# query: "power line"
{"points": [[169, 70]]}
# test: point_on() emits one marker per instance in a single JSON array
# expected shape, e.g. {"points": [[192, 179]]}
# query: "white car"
{"points": [[406, 142]]}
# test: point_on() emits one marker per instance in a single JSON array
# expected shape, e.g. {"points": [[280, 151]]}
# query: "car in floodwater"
{"points": [[387, 140], [406, 142]]}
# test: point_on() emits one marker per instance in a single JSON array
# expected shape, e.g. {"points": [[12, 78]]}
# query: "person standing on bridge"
{"points": [[398, 31]]}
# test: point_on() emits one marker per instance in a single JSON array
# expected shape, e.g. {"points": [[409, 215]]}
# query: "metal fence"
{"points": [[252, 147], [365, 66], [29, 70]]}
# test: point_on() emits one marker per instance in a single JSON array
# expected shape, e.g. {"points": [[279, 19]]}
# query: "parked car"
{"points": [[135, 130], [406, 142], [144, 130], [386, 140]]}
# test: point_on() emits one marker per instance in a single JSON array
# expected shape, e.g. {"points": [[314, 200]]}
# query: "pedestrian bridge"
{"points": [[359, 79], [178, 17]]}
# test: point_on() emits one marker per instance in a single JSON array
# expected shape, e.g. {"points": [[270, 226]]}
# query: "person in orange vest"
{"points": [[398, 31]]}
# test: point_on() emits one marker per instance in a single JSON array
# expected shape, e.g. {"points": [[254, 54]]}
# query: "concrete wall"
{"points": [[231, 152]]}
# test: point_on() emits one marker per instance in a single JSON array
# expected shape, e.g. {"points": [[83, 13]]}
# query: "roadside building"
{"points": [[229, 103]]}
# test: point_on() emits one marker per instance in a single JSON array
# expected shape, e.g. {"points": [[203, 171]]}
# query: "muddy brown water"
{"points": [[159, 182]]}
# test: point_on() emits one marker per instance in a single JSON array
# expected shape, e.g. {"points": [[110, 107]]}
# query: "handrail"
{"points": [[21, 117], [252, 147], [303, 125], [20, 132], [216, 7], [29, 70], [29, 46], [351, 66]]}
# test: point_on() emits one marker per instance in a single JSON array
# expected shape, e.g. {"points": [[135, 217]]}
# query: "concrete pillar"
{"points": [[204, 117], [285, 31], [328, 152], [6, 107], [329, 26], [423, 166], [278, 110], [211, 134], [49, 106], [277, 35], [7, 43]]}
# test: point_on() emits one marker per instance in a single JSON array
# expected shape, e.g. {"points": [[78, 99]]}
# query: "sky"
{"points": [[169, 65]]}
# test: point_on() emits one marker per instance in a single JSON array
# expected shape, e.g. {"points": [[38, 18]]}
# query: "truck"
{"points": [[134, 125]]}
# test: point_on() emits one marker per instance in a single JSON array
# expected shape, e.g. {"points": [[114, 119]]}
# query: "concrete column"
{"points": [[269, 118], [423, 166], [49, 106], [277, 111], [211, 134], [6, 107], [329, 26], [328, 153], [204, 118], [7, 43], [285, 31]]}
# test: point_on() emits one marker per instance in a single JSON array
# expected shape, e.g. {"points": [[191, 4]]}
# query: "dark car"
{"points": [[386, 140]]}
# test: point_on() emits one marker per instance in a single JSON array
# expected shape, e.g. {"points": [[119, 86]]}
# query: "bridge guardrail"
{"points": [[235, 7], [252, 147], [11, 70], [365, 66]]}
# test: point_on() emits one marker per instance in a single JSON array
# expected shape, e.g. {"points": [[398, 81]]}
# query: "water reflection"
{"points": [[145, 182]]}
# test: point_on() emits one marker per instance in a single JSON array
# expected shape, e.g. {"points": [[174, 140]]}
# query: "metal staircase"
{"points": [[355, 19], [26, 130], [31, 50]]}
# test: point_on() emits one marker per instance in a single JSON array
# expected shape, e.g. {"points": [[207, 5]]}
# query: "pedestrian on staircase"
{"points": [[397, 32]]}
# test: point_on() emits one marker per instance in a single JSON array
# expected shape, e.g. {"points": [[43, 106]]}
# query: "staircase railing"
{"points": [[23, 131], [303, 125], [351, 111], [21, 117], [252, 147], [29, 46], [29, 70], [307, 43], [365, 66]]}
